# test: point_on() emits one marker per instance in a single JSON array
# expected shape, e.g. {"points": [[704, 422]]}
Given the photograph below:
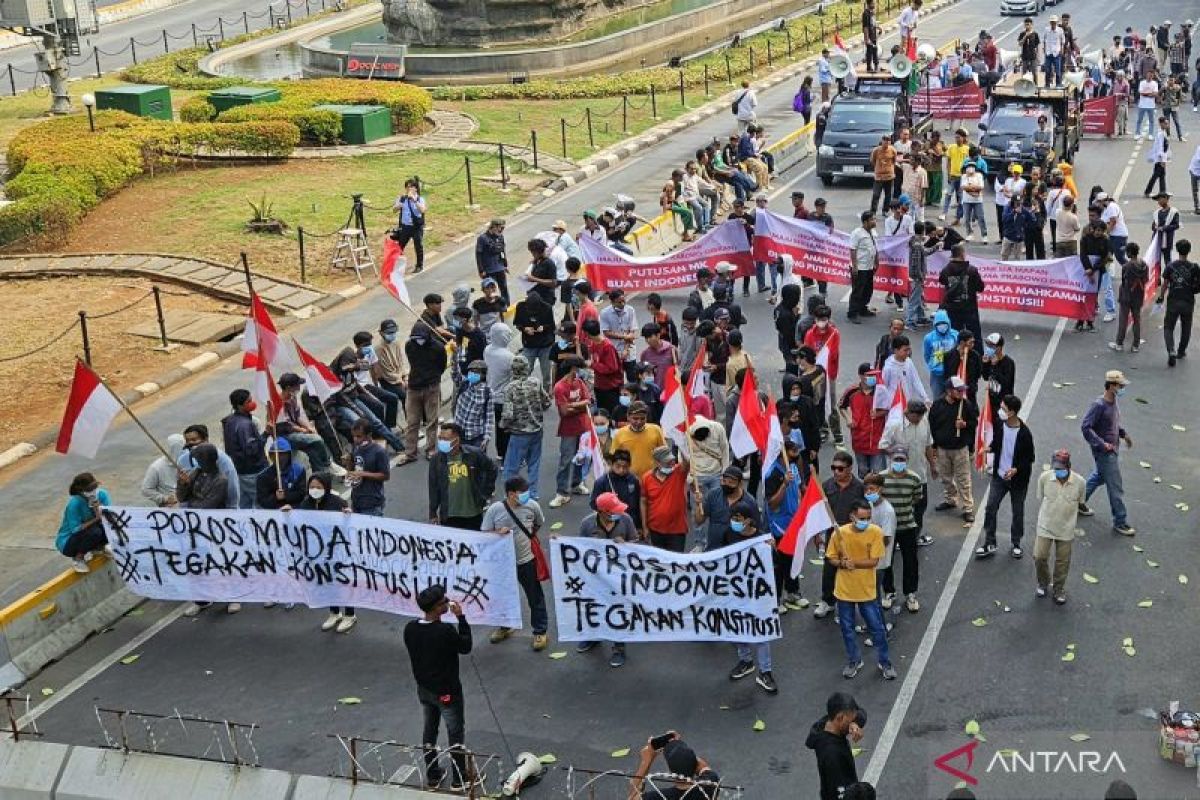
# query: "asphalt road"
{"points": [[275, 668], [113, 41]]}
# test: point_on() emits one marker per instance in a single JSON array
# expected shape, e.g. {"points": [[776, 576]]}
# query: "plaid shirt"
{"points": [[473, 411]]}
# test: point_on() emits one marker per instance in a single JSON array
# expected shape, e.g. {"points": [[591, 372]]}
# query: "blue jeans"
{"points": [[760, 652], [974, 211], [937, 384], [247, 490], [1117, 245], [569, 474], [1053, 69], [954, 190], [1108, 474], [916, 304], [534, 354], [1148, 115], [524, 448], [866, 463], [378, 429], [743, 185], [1106, 291], [873, 617]]}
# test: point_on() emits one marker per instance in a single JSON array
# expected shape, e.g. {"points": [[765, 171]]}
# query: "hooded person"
{"points": [[808, 433], [205, 486], [809, 320], [427, 361], [158, 484], [282, 485], [939, 342], [522, 415], [499, 358], [787, 316], [534, 318]]}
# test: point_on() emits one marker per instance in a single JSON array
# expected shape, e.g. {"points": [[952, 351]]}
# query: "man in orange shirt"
{"points": [[664, 501]]}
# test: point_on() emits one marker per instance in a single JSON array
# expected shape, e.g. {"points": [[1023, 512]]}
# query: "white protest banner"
{"points": [[611, 269], [318, 558], [1056, 287], [621, 592], [825, 256]]}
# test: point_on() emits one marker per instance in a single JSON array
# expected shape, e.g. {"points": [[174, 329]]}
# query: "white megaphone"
{"points": [[900, 66], [1075, 79], [926, 53], [840, 65], [1025, 87], [1007, 57], [1092, 57], [528, 772]]}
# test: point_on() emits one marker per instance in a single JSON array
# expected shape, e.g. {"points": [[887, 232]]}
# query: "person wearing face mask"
{"points": [[842, 491], [158, 484], [283, 484], [469, 344], [964, 362], [664, 501], [461, 480], [81, 533], [783, 482], [473, 407], [883, 515], [1102, 429], [245, 444], [904, 488], [715, 507], [1061, 492], [640, 438], [610, 521], [710, 453], [523, 410], [938, 342], [854, 549], [321, 497], [426, 352], [689, 337], [803, 425], [518, 515], [621, 481], [1012, 466], [204, 487], [1000, 372], [952, 421], [608, 374], [370, 470], [626, 396], [743, 525], [193, 437], [825, 334], [864, 421], [618, 323]]}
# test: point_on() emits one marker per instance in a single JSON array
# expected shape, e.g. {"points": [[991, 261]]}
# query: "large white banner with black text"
{"points": [[636, 593], [317, 558]]}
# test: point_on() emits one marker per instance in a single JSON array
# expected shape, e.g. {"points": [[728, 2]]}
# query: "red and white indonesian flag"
{"points": [[1154, 262], [697, 377], [260, 343], [266, 392], [391, 272], [90, 410], [895, 415], [589, 447], [813, 518], [774, 443], [828, 350], [675, 414], [321, 381], [983, 433], [750, 427]]}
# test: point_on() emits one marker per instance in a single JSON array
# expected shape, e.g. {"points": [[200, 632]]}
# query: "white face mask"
{"points": [[316, 494]]}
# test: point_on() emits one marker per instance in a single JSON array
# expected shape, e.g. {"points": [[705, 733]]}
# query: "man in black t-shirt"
{"points": [[870, 34], [542, 272], [1180, 284], [370, 469], [694, 780]]}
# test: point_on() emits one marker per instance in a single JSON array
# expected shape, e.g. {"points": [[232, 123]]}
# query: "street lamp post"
{"points": [[89, 102]]}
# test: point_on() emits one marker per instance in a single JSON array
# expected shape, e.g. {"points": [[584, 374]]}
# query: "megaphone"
{"points": [[1075, 79], [926, 52], [900, 66], [840, 65], [1025, 87], [1092, 57], [1007, 57], [528, 772]]}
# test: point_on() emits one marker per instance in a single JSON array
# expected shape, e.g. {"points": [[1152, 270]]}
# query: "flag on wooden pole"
{"points": [[90, 410]]}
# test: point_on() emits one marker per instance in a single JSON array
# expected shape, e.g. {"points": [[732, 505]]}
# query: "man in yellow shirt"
{"points": [[956, 154], [854, 550], [640, 438]]}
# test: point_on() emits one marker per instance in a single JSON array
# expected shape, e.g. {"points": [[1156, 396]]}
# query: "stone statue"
{"points": [[485, 22]]}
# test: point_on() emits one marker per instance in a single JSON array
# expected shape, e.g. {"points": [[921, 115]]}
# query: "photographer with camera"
{"points": [[410, 227], [693, 778]]}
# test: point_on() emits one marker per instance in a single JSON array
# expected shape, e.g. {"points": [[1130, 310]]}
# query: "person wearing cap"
{"points": [[298, 429], [905, 489], [518, 515], [434, 648], [1158, 157], [743, 526], [952, 421], [469, 345], [830, 738], [1104, 433], [610, 521], [592, 229], [473, 407], [864, 421], [854, 550], [1052, 48], [564, 239], [1013, 455], [883, 165], [864, 260], [567, 344], [965, 362], [490, 306], [284, 482], [390, 370], [715, 506], [664, 501], [691, 776], [1180, 284], [410, 225], [491, 256], [999, 370], [1061, 492]]}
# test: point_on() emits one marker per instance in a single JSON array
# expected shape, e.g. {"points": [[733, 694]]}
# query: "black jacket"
{"points": [[954, 272], [426, 358], [835, 760], [943, 418], [533, 312], [483, 481], [974, 367], [244, 444], [1003, 374], [1023, 453], [295, 487]]}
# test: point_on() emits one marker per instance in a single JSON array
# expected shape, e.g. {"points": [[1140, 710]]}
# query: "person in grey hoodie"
{"points": [[499, 359], [523, 416], [809, 319], [158, 485]]}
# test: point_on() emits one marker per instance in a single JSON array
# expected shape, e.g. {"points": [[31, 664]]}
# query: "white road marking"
{"points": [[129, 647], [908, 690], [1128, 7], [920, 661], [1112, 22]]}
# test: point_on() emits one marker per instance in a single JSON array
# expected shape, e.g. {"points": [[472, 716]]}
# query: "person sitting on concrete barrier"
{"points": [[81, 535]]}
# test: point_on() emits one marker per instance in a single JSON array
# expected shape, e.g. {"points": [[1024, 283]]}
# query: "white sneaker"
{"points": [[346, 624], [331, 622], [233, 608], [80, 565], [942, 217], [559, 501], [192, 610], [887, 601], [971, 238], [1109, 317], [1116, 348], [822, 610], [91, 555], [108, 551], [583, 489]]}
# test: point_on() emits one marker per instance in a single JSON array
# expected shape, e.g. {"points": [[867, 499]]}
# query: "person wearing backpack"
{"points": [[520, 516], [1134, 276], [961, 285], [411, 224], [802, 102], [744, 107]]}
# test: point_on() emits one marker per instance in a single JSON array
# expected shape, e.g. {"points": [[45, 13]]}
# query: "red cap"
{"points": [[609, 503]]}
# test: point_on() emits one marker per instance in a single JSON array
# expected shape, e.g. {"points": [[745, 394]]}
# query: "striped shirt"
{"points": [[902, 490]]}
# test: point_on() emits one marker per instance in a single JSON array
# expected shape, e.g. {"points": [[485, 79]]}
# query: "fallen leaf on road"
{"points": [[979, 622], [1071, 646], [1068, 656], [816, 561], [624, 751], [1068, 383], [856, 751], [1144, 464], [1184, 507], [350, 701], [1079, 737], [1157, 479], [1141, 400], [556, 526], [1057, 385], [1176, 487], [1138, 549], [1183, 579], [1017, 338], [1071, 416], [1007, 609], [548, 758], [1179, 428], [47, 691], [971, 728], [129, 659], [1129, 651], [1151, 564], [759, 725], [1090, 578], [1127, 641], [723, 708], [1145, 603], [558, 655]]}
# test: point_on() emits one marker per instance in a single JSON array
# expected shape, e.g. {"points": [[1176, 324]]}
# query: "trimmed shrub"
{"points": [[315, 127], [197, 109]]}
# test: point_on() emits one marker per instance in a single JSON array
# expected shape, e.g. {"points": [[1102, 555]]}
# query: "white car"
{"points": [[1022, 7]]}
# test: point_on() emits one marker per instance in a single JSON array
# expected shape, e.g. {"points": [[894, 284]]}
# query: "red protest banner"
{"points": [[951, 102], [825, 256], [610, 269], [1100, 115]]}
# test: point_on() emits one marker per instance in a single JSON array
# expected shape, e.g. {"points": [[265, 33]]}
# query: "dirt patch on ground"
{"points": [[37, 310]]}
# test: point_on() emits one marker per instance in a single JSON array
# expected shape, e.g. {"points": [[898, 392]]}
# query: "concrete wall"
{"points": [[38, 770]]}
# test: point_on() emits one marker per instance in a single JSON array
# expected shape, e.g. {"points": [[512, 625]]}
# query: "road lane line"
{"points": [[1111, 22], [112, 658]]}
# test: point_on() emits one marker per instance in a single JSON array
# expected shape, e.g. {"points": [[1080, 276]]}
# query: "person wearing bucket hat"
{"points": [[284, 483], [1060, 490], [1104, 433], [664, 501], [610, 521]]}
